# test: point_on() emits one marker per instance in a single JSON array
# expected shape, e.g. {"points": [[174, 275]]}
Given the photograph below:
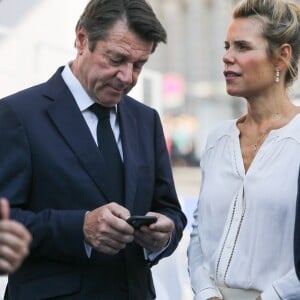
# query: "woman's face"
{"points": [[248, 69]]}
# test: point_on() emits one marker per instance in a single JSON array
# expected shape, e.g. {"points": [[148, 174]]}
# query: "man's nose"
{"points": [[125, 73]]}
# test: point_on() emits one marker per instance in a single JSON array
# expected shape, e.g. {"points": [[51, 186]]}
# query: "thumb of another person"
{"points": [[4, 209]]}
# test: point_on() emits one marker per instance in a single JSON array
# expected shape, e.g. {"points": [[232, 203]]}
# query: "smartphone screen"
{"points": [[138, 221]]}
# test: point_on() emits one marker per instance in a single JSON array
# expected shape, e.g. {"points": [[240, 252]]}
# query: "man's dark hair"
{"points": [[100, 15]]}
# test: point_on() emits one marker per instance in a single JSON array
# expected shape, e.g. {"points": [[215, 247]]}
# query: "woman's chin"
{"points": [[234, 93]]}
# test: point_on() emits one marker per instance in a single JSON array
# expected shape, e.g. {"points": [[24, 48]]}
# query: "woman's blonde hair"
{"points": [[281, 21]]}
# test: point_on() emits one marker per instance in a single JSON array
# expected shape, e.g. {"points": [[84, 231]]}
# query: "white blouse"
{"points": [[243, 226]]}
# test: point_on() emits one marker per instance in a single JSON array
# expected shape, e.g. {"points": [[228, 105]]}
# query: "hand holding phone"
{"points": [[138, 221]]}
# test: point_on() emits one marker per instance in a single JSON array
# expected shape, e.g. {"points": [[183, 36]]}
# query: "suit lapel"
{"points": [[130, 151], [69, 121]]}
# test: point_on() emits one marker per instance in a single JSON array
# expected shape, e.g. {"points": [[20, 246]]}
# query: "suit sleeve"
{"points": [[57, 234]]}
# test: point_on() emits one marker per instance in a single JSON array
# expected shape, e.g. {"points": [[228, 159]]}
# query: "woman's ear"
{"points": [[283, 57]]}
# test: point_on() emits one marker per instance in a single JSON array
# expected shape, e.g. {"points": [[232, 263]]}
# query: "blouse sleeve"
{"points": [[203, 286], [202, 282], [286, 287]]}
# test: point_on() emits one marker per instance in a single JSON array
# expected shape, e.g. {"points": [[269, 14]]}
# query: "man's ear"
{"points": [[81, 40]]}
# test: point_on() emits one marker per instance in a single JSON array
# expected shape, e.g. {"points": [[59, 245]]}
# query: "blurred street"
{"points": [[170, 275]]}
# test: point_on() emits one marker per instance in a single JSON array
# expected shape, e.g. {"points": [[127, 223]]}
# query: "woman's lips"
{"points": [[231, 74]]}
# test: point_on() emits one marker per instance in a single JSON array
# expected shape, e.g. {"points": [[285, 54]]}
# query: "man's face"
{"points": [[112, 69]]}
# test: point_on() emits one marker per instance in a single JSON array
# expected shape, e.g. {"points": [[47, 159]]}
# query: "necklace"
{"points": [[254, 145]]}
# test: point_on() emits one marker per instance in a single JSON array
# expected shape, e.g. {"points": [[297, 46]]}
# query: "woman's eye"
{"points": [[226, 46], [242, 47]]}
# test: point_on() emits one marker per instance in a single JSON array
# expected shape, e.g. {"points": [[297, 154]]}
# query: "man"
{"points": [[59, 177], [14, 241], [297, 233]]}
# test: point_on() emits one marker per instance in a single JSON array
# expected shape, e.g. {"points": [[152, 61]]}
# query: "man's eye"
{"points": [[138, 66], [115, 60]]}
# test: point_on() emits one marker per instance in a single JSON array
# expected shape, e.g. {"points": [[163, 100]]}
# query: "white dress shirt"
{"points": [[243, 226], [84, 102]]}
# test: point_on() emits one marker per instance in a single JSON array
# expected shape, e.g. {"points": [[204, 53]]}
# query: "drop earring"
{"points": [[277, 76]]}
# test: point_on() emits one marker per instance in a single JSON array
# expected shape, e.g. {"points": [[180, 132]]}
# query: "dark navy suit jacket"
{"points": [[51, 172], [297, 233]]}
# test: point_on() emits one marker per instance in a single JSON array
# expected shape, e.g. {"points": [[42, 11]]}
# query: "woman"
{"points": [[241, 245]]}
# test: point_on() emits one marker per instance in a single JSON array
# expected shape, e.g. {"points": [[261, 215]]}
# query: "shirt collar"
{"points": [[83, 100]]}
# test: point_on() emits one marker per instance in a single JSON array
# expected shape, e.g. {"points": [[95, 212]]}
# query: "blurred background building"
{"points": [[183, 80]]}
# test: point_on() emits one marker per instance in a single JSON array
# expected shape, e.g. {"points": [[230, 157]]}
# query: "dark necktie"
{"points": [[108, 147]]}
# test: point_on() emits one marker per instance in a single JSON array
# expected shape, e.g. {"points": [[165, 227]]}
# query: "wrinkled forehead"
{"points": [[120, 33], [124, 44]]}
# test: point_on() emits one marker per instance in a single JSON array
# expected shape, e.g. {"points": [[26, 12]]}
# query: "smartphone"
{"points": [[138, 221]]}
